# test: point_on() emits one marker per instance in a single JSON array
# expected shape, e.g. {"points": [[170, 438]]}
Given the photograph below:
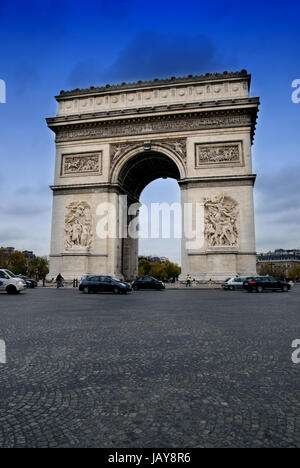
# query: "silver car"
{"points": [[233, 283]]}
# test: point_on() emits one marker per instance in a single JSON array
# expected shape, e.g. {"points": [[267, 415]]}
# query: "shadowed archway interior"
{"points": [[145, 167]]}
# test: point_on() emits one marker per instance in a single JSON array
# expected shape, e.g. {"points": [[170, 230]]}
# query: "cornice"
{"points": [[218, 181], [208, 77]]}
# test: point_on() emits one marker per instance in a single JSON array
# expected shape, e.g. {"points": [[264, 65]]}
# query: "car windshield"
{"points": [[116, 279], [228, 279], [12, 275]]}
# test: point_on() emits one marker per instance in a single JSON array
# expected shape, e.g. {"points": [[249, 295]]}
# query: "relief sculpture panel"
{"points": [[76, 164], [221, 221], [219, 154], [78, 226]]}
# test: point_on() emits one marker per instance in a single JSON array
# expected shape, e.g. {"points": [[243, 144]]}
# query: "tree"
{"points": [[17, 263], [278, 271], [294, 273], [38, 267], [161, 271], [144, 267], [3, 259]]}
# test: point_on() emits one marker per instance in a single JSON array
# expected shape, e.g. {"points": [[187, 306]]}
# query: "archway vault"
{"points": [[138, 166]]}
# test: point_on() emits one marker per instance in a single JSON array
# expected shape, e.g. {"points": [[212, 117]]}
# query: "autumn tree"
{"points": [[38, 267], [17, 263]]}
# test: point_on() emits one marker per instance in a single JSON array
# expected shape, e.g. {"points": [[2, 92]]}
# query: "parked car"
{"points": [[11, 284], [95, 283], [263, 283], [233, 283], [30, 283], [147, 282]]}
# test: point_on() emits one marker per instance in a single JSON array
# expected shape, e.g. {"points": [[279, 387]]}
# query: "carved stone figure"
{"points": [[77, 163], [78, 226], [217, 154], [178, 146], [221, 216]]}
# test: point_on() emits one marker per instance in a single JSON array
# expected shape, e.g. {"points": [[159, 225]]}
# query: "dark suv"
{"points": [[94, 284], [261, 283], [147, 282]]}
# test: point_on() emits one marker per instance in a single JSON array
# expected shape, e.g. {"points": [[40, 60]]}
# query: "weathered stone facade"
{"points": [[117, 139]]}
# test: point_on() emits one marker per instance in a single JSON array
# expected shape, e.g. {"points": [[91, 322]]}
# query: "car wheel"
{"points": [[11, 289], [116, 291], [231, 288], [259, 289], [285, 289], [86, 290]]}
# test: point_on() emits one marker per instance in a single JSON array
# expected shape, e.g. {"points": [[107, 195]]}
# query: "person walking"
{"points": [[59, 281]]}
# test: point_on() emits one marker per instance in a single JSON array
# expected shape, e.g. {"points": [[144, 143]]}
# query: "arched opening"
{"points": [[151, 177], [144, 168], [161, 191]]}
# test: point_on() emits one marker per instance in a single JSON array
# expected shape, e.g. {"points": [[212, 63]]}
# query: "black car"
{"points": [[263, 283], [30, 283], [95, 283], [147, 282]]}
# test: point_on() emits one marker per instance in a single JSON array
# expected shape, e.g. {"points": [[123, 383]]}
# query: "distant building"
{"points": [[280, 257], [28, 254], [7, 251]]}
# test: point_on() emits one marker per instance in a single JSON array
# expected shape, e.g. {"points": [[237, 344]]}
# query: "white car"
{"points": [[10, 284], [233, 283]]}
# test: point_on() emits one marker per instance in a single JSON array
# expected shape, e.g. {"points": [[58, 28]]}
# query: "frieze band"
{"points": [[149, 126]]}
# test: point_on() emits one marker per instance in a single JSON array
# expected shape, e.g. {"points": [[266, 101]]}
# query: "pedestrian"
{"points": [[188, 280], [59, 281]]}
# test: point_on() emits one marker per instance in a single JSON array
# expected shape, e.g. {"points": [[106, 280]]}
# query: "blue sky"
{"points": [[52, 45]]}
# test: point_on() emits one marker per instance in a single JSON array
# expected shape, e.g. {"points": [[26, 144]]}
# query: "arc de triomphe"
{"points": [[115, 140]]}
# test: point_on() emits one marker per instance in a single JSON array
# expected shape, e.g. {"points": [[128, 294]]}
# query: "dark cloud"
{"points": [[151, 54]]}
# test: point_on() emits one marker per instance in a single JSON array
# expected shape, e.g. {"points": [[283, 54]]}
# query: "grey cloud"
{"points": [[151, 54], [8, 235], [278, 209]]}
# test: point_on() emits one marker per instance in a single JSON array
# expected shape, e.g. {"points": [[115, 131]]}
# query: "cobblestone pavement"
{"points": [[150, 369]]}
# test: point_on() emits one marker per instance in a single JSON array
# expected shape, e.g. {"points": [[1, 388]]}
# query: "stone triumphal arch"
{"points": [[113, 141]]}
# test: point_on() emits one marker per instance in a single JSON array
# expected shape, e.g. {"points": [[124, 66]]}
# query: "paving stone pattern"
{"points": [[150, 369]]}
